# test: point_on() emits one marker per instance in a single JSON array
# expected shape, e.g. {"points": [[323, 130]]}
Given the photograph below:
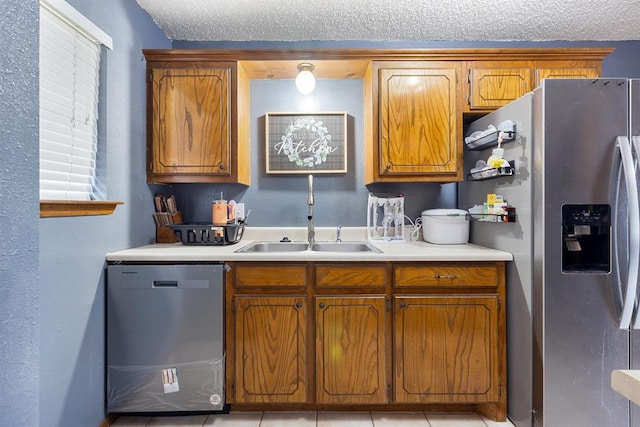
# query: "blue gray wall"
{"points": [[19, 278], [71, 264], [51, 270], [278, 200]]}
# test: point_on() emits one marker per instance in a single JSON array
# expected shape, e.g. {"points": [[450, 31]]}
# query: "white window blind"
{"points": [[69, 80]]}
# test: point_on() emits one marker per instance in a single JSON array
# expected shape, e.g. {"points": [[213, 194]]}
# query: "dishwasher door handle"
{"points": [[182, 284], [165, 283]]}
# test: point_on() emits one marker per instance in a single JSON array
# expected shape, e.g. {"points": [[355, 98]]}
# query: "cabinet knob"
{"points": [[321, 305], [221, 167], [299, 305], [403, 304], [388, 167]]}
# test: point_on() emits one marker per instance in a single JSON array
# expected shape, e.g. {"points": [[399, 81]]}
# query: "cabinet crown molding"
{"points": [[334, 63]]}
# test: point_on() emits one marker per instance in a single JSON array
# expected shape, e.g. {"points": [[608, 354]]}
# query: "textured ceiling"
{"points": [[401, 20]]}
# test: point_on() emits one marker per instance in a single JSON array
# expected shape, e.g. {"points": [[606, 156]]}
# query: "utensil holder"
{"points": [[164, 234]]}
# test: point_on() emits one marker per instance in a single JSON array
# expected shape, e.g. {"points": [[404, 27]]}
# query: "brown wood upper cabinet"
{"points": [[492, 84], [418, 119], [565, 73], [414, 101], [192, 122]]}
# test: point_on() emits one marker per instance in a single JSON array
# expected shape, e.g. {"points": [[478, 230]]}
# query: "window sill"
{"points": [[59, 208]]}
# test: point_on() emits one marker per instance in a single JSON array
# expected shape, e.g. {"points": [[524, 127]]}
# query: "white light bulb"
{"points": [[305, 82]]}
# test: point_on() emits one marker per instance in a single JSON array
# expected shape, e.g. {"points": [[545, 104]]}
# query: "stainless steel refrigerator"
{"points": [[575, 246]]}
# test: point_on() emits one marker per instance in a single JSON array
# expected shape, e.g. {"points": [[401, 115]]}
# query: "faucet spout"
{"points": [[310, 191], [311, 233]]}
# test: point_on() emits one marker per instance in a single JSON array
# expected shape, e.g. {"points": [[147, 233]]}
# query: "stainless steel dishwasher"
{"points": [[165, 346]]}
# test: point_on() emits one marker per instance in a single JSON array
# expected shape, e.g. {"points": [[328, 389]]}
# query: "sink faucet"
{"points": [[311, 233]]}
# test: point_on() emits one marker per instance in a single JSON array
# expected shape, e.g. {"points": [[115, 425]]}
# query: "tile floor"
{"points": [[313, 419]]}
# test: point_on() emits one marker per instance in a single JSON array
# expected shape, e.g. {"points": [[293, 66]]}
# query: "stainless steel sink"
{"points": [[275, 247], [303, 246], [344, 247]]}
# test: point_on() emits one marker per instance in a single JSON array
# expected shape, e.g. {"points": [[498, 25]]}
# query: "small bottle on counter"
{"points": [[219, 211]]}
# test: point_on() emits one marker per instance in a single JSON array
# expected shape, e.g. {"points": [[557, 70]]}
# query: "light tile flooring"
{"points": [[314, 419]]}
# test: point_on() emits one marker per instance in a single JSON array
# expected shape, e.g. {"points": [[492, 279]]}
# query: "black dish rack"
{"points": [[208, 234]]}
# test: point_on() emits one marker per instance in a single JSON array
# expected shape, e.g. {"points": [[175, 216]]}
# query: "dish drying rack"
{"points": [[385, 217], [208, 234]]}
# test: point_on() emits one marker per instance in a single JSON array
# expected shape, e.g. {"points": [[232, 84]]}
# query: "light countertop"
{"points": [[418, 250], [627, 383]]}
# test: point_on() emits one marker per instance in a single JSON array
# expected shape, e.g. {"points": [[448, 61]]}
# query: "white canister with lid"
{"points": [[445, 226]]}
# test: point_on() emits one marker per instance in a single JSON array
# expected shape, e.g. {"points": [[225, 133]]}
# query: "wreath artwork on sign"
{"points": [[319, 148], [300, 143]]}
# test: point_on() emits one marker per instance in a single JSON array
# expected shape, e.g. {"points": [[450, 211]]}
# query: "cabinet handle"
{"points": [[299, 305], [445, 276], [321, 305], [221, 167]]}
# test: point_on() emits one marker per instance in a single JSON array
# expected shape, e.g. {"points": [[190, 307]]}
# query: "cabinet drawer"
{"points": [[259, 275], [337, 275], [446, 274]]}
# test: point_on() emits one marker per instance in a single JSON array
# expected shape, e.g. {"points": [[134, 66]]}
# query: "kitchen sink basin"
{"points": [[344, 247], [303, 246], [275, 247]]}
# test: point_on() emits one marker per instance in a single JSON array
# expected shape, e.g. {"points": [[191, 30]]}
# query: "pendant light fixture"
{"points": [[305, 81]]}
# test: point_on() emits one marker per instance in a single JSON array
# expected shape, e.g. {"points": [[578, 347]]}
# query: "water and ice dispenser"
{"points": [[586, 234], [385, 217]]}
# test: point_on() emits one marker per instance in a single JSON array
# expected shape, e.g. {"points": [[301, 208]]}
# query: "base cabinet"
{"points": [[271, 348], [446, 349], [375, 336], [350, 350]]}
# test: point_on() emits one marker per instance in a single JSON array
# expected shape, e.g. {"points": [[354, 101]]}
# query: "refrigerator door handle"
{"points": [[634, 238], [624, 145]]}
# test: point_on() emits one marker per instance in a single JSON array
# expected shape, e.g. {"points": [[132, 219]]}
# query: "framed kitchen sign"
{"points": [[306, 142]]}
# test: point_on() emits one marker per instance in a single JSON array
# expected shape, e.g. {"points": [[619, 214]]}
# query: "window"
{"points": [[70, 49]]}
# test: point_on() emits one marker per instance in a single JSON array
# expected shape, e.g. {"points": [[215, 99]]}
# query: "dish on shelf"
{"points": [[479, 140], [477, 174]]}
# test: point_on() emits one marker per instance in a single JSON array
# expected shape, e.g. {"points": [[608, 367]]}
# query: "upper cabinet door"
{"points": [[418, 121], [566, 73], [191, 119], [493, 84], [495, 87]]}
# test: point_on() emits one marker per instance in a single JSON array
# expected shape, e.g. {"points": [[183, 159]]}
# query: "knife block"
{"points": [[165, 234]]}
